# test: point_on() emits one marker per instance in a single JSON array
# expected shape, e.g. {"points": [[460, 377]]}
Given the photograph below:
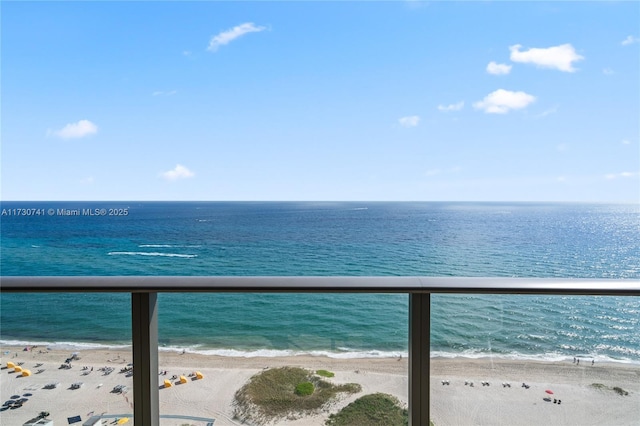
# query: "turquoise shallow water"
{"points": [[370, 239]]}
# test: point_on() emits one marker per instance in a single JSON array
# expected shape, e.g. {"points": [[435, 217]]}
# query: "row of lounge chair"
{"points": [[182, 379]]}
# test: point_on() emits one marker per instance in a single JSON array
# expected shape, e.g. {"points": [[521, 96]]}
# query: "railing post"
{"points": [[144, 319], [419, 349]]}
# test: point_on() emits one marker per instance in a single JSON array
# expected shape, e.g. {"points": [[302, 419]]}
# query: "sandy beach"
{"points": [[211, 398], [572, 384]]}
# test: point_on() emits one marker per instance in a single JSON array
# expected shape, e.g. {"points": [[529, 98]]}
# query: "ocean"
{"points": [[550, 240]]}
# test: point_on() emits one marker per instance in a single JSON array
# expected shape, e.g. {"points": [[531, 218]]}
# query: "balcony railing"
{"points": [[144, 326]]}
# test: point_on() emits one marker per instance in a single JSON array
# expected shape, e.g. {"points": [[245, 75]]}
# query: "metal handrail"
{"points": [[144, 290], [315, 284]]}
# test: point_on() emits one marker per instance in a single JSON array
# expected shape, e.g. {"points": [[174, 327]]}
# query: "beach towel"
{"points": [[74, 419]]}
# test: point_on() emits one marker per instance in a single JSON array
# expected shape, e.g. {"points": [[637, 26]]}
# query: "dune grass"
{"points": [[616, 389], [287, 392], [372, 410]]}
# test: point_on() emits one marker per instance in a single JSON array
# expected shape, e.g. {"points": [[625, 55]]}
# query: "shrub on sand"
{"points": [[616, 389], [372, 410], [304, 388], [325, 373], [620, 391]]}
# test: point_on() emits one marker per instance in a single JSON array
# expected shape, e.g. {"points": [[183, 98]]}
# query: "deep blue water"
{"points": [[304, 239]]}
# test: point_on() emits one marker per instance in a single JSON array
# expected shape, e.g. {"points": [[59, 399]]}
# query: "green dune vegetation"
{"points": [[376, 409], [287, 392], [292, 393], [616, 389], [325, 373]]}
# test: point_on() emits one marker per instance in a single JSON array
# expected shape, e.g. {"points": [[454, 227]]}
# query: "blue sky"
{"points": [[470, 101]]}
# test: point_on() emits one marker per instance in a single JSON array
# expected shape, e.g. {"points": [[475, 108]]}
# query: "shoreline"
{"points": [[19, 345], [212, 396]]}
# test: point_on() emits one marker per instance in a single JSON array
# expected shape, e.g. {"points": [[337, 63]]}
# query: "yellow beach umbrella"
{"points": [[26, 372], [183, 379], [167, 383], [10, 364], [123, 420], [17, 369], [199, 375]]}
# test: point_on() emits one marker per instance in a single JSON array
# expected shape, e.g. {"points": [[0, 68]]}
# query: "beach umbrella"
{"points": [[17, 369], [167, 383], [199, 375], [10, 364], [26, 372], [550, 392], [183, 379], [123, 420]]}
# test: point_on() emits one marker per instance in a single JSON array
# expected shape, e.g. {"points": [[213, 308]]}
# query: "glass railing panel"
{"points": [[65, 354], [240, 356], [530, 360]]}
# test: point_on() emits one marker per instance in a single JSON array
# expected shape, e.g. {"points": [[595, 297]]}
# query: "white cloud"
{"points": [[452, 107], [179, 172], [87, 181], [228, 36], [502, 101], [498, 69], [626, 142], [410, 121], [556, 57], [608, 71], [630, 40], [612, 176], [75, 130], [562, 147]]}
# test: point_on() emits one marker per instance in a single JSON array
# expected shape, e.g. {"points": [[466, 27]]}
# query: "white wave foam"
{"points": [[545, 357], [272, 353], [146, 253], [73, 346], [342, 353]]}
